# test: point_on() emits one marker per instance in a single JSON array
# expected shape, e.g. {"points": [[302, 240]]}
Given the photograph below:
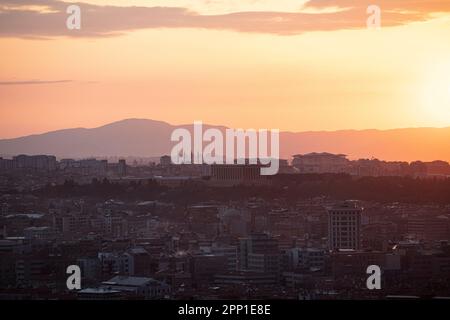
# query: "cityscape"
{"points": [[161, 231], [224, 158]]}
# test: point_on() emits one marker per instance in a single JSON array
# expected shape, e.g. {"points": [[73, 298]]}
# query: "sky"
{"points": [[290, 65]]}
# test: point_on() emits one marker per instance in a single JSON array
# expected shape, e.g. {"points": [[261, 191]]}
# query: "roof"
{"points": [[138, 250], [321, 154], [37, 228], [25, 215], [97, 291], [129, 281]]}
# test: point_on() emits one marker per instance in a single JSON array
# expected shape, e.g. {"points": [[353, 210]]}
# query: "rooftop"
{"points": [[129, 281], [97, 291]]}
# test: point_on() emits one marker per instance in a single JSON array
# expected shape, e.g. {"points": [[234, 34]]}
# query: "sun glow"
{"points": [[436, 95]]}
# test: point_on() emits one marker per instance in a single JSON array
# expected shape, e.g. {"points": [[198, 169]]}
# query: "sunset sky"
{"points": [[292, 65]]}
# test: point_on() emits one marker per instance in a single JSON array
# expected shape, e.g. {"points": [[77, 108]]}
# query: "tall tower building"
{"points": [[344, 226]]}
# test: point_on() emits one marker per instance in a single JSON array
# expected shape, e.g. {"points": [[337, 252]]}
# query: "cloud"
{"points": [[28, 82], [47, 18], [419, 6]]}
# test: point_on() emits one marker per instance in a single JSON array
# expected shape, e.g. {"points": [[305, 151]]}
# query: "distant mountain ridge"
{"points": [[150, 138]]}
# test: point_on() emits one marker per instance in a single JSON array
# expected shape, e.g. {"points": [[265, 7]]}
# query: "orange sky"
{"points": [[309, 79]]}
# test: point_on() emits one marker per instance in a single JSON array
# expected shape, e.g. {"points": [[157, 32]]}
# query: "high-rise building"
{"points": [[122, 167], [344, 226]]}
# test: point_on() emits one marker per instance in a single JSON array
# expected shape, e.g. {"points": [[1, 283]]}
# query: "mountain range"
{"points": [[150, 138]]}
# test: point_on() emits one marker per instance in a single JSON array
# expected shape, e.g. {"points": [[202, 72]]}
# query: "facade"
{"points": [[165, 161], [236, 174], [428, 228], [355, 262], [306, 258], [122, 168], [41, 163], [39, 233], [259, 253], [203, 267], [320, 163], [84, 166], [240, 278], [147, 288], [344, 226], [90, 267], [230, 253], [115, 263]]}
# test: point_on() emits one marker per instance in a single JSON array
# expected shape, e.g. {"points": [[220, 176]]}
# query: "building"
{"points": [[285, 168], [306, 258], [245, 278], [230, 253], [122, 168], [115, 263], [99, 294], [31, 270], [90, 267], [378, 235], [6, 164], [141, 287], [259, 253], [39, 233], [268, 263], [84, 166], [428, 227], [344, 226], [203, 219], [228, 175], [165, 161], [141, 262], [36, 163], [438, 168], [321, 163], [203, 267], [355, 262], [234, 221]]}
